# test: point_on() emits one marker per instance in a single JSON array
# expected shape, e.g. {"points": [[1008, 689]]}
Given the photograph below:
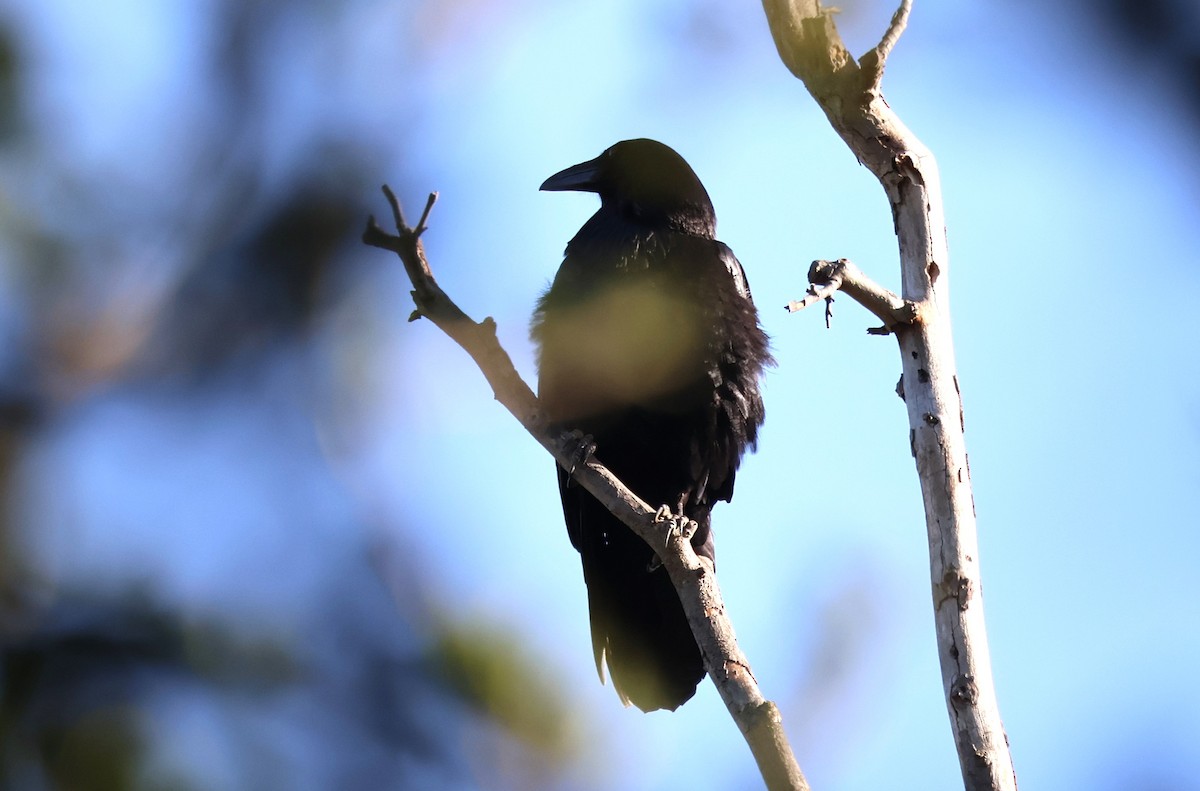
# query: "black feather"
{"points": [[648, 340]]}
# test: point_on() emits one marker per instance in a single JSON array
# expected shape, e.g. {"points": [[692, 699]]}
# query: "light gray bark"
{"points": [[849, 93]]}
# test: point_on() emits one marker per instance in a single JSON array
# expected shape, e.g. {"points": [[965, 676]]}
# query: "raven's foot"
{"points": [[678, 525], [581, 450]]}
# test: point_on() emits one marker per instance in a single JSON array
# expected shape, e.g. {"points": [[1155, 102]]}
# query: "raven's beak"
{"points": [[584, 177]]}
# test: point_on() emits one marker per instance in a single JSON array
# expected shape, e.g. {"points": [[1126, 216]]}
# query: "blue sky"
{"points": [[1072, 221]]}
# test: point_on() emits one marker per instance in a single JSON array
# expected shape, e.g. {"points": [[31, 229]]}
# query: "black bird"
{"points": [[649, 343]]}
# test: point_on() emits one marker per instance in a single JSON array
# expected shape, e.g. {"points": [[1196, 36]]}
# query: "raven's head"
{"points": [[646, 182]]}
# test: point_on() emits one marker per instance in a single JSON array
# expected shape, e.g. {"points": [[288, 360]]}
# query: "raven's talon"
{"points": [[581, 453], [679, 525], [674, 520], [683, 527]]}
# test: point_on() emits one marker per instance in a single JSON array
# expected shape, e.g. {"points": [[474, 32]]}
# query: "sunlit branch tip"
{"points": [[895, 28], [422, 225]]}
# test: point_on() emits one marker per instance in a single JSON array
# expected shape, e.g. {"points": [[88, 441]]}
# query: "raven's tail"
{"points": [[638, 625]]}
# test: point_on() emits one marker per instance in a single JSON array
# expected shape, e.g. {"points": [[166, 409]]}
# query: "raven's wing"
{"points": [[737, 352]]}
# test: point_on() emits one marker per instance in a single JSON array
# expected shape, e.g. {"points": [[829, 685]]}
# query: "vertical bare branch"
{"points": [[848, 92]]}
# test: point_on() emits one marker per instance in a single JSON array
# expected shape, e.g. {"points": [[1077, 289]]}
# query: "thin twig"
{"points": [[897, 26], [814, 295], [875, 60], [397, 212], [422, 223]]}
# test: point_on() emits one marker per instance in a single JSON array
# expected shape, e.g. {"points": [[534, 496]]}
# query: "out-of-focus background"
{"points": [[260, 532]]}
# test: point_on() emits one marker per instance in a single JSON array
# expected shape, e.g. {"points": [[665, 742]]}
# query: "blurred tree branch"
{"points": [[849, 93], [695, 580]]}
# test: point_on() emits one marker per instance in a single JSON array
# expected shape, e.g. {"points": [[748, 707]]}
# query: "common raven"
{"points": [[649, 343]]}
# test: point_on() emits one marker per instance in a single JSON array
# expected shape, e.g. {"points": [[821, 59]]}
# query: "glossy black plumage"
{"points": [[649, 342]]}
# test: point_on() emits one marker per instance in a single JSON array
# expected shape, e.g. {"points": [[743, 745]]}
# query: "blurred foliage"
{"points": [[185, 277], [10, 110], [69, 719], [490, 670], [1161, 34]]}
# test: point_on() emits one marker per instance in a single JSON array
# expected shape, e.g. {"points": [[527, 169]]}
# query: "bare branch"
{"points": [[827, 277], [694, 578], [421, 223], [849, 93], [899, 22], [815, 294], [875, 60]]}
